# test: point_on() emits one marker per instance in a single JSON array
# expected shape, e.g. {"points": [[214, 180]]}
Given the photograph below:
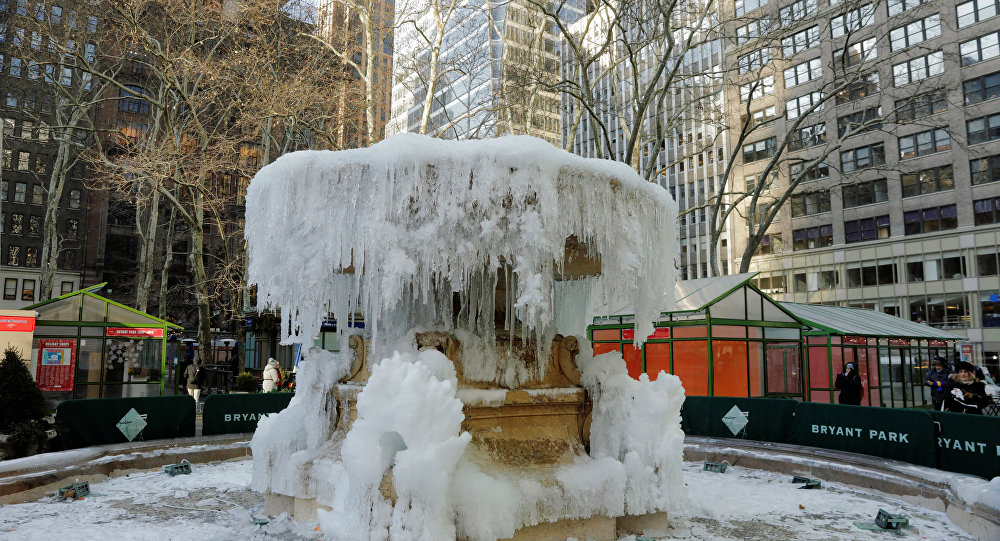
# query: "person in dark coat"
{"points": [[939, 380], [849, 383], [967, 393]]}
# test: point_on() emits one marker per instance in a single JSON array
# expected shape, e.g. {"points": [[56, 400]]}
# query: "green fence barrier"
{"points": [[100, 421], [968, 443], [906, 435], [763, 419], [237, 413]]}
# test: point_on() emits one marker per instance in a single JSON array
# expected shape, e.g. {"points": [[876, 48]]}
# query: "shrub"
{"points": [[246, 382], [20, 398]]}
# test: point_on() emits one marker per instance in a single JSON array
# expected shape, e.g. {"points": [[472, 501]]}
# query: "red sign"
{"points": [[855, 340], [135, 332], [899, 342], [17, 323], [937, 343], [659, 332], [56, 364]]}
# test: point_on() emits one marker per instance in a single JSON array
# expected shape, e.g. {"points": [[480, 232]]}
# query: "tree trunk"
{"points": [[168, 258], [144, 281], [50, 240], [197, 260]]}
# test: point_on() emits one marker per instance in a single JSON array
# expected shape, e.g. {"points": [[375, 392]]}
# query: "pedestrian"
{"points": [[193, 375], [967, 393], [939, 382], [849, 383], [272, 378]]}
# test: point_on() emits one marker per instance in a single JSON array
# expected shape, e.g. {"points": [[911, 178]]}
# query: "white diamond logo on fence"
{"points": [[735, 420], [131, 424]]}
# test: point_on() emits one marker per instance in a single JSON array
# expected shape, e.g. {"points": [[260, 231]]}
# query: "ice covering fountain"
{"points": [[468, 410]]}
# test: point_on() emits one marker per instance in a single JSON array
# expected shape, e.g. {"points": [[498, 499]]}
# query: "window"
{"points": [[34, 226], [56, 16], [74, 199], [879, 273], [4, 186], [930, 220], [17, 224], [15, 67], [975, 11], [898, 6], [65, 287], [856, 53], [753, 29], [800, 41], [984, 170], [827, 279], [769, 244], [23, 159], [14, 256], [31, 258], [72, 228], [129, 101], [69, 260], [982, 88], [754, 60], [931, 180], [867, 229], [774, 283], [812, 237], [915, 32], [943, 311], [10, 289], [979, 49], [866, 193], [760, 150], [809, 136], [821, 170], [757, 89], [986, 262], [918, 68], [796, 107], [984, 129], [758, 118], [797, 11], [800, 283], [860, 122], [12, 98], [37, 195], [924, 143], [20, 192], [810, 203], [746, 6], [860, 158], [986, 210], [921, 105], [803, 73], [853, 20]]}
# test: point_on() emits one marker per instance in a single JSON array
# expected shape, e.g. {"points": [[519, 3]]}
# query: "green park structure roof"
{"points": [[840, 320], [85, 307], [732, 297]]}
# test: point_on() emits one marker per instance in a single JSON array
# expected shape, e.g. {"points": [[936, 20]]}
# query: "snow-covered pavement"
{"points": [[215, 503]]}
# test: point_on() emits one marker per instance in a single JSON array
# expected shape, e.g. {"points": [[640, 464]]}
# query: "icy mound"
{"points": [[415, 219]]}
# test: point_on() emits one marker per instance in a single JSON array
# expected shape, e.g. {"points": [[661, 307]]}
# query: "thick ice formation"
{"points": [[417, 220]]}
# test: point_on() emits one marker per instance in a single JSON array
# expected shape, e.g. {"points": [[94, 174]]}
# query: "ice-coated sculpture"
{"points": [[470, 410]]}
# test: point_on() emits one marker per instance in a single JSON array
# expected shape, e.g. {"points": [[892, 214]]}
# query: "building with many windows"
{"points": [[892, 107]]}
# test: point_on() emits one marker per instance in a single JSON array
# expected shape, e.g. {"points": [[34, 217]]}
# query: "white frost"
{"points": [[420, 219]]}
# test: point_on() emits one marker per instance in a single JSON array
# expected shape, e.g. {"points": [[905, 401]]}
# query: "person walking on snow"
{"points": [[272, 378], [967, 393], [849, 383]]}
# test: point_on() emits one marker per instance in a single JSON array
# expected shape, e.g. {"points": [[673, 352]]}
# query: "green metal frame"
{"points": [[667, 320], [80, 324]]}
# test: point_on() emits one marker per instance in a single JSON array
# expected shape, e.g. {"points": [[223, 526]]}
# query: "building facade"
{"points": [[901, 215], [496, 60]]}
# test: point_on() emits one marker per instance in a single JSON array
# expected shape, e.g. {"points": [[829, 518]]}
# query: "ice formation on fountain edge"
{"points": [[394, 232]]}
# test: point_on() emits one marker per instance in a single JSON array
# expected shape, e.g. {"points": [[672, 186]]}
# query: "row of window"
{"points": [[926, 220], [55, 14], [27, 290], [29, 257], [70, 230], [20, 194]]}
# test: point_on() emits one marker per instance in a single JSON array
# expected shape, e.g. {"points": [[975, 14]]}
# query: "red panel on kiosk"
{"points": [[657, 359], [135, 332], [56, 364], [633, 360]]}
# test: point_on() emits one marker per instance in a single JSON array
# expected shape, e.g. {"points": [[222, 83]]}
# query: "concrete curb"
{"points": [[928, 487], [30, 478]]}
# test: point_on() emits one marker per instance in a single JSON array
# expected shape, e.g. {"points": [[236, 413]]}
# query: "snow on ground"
{"points": [[215, 503]]}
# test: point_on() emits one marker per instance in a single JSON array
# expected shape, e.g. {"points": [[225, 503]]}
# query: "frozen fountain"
{"points": [[469, 410]]}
